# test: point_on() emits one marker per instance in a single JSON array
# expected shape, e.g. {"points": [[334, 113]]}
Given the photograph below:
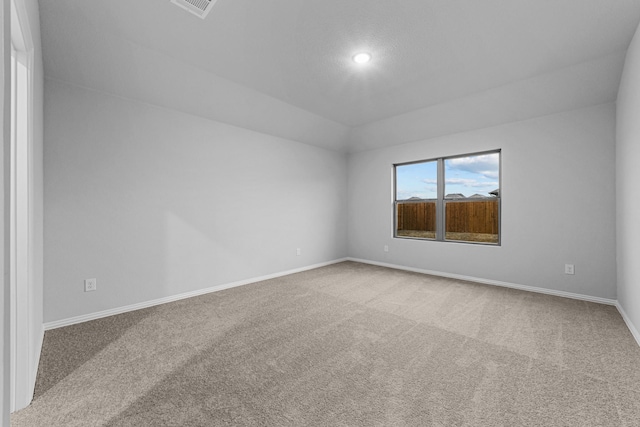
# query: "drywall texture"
{"points": [[627, 179], [154, 202], [558, 204]]}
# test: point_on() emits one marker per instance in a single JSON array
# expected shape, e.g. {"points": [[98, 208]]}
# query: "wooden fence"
{"points": [[419, 216], [479, 216]]}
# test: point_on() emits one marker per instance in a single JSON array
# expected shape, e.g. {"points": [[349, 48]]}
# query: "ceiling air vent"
{"points": [[198, 7]]}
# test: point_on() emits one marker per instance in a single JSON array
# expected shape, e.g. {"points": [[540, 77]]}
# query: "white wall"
{"points": [[558, 204], [106, 61], [153, 202], [34, 328], [36, 293], [627, 179], [5, 167], [588, 83]]}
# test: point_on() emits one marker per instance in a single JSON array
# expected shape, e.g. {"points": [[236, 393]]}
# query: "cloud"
{"points": [[461, 181], [465, 182], [468, 182], [486, 165]]}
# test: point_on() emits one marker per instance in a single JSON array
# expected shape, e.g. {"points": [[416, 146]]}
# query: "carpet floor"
{"points": [[344, 345]]}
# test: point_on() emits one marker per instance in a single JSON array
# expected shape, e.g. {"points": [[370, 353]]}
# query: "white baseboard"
{"points": [[492, 282], [630, 325], [100, 314], [616, 303], [138, 306]]}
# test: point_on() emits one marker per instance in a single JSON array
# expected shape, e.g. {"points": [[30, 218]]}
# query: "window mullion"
{"points": [[440, 202]]}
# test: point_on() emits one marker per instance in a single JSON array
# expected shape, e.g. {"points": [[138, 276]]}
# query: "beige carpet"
{"points": [[345, 345]]}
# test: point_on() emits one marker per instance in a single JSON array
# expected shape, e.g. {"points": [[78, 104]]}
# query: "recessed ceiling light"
{"points": [[362, 58]]}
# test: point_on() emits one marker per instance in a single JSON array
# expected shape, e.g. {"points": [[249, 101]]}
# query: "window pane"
{"points": [[472, 195], [472, 220], [417, 181], [416, 219], [416, 192], [472, 176]]}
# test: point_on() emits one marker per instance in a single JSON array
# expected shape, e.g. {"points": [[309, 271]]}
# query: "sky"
{"points": [[466, 175]]}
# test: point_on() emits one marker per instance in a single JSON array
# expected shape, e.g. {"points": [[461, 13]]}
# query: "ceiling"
{"points": [[292, 58]]}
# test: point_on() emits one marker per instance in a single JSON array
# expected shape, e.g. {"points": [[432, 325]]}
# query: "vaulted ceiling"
{"points": [[284, 67]]}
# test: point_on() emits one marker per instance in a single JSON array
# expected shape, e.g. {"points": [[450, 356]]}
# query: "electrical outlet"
{"points": [[298, 251], [386, 248], [569, 269], [90, 285]]}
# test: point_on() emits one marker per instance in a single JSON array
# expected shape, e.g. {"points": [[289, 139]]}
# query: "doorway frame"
{"points": [[23, 369]]}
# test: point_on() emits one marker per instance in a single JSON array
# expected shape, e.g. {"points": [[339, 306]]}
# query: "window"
{"points": [[453, 199]]}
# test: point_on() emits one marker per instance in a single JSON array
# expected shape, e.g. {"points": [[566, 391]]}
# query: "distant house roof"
{"points": [[414, 198], [478, 196], [455, 196], [495, 192]]}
